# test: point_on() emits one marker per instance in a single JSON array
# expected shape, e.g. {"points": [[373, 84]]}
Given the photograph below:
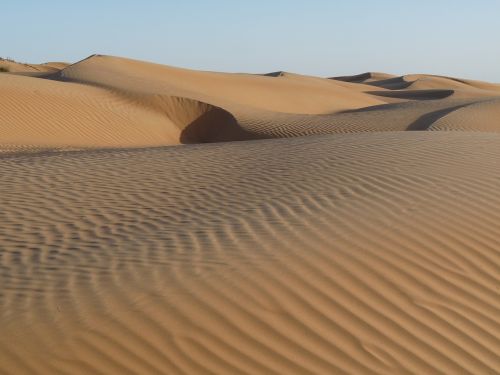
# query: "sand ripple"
{"points": [[368, 253]]}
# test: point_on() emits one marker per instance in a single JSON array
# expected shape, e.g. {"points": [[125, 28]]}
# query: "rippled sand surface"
{"points": [[325, 232]]}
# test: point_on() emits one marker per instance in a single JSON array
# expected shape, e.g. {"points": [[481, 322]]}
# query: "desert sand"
{"points": [[159, 220]]}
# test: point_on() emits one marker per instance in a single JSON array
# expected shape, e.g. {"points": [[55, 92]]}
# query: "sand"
{"points": [[157, 220]]}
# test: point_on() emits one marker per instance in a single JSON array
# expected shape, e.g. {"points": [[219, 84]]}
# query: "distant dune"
{"points": [[352, 229]]}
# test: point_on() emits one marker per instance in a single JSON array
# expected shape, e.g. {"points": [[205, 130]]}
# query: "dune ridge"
{"points": [[352, 229]]}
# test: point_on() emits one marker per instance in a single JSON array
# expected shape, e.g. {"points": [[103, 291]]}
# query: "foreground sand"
{"points": [[374, 252]]}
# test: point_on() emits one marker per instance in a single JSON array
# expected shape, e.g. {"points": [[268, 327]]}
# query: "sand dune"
{"points": [[24, 68], [299, 250], [480, 116], [291, 93], [43, 113], [372, 253], [475, 114], [424, 82], [365, 77], [427, 94], [106, 101]]}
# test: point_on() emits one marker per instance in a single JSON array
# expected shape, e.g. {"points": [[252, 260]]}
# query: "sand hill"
{"points": [[343, 225]]}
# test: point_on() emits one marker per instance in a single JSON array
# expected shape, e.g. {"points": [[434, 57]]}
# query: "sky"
{"points": [[318, 37]]}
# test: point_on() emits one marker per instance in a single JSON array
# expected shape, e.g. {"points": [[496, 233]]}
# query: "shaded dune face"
{"points": [[197, 122], [364, 77], [415, 94], [215, 125]]}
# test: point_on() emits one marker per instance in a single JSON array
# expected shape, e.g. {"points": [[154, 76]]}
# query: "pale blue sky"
{"points": [[320, 37]]}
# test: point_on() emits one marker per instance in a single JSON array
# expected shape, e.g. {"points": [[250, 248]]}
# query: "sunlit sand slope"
{"points": [[44, 113], [290, 93], [372, 253]]}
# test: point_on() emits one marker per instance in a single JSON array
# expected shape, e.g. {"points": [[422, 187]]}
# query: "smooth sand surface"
{"points": [[337, 226]]}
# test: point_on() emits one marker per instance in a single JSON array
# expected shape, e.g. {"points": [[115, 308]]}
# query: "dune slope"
{"points": [[367, 253], [43, 113], [290, 93]]}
